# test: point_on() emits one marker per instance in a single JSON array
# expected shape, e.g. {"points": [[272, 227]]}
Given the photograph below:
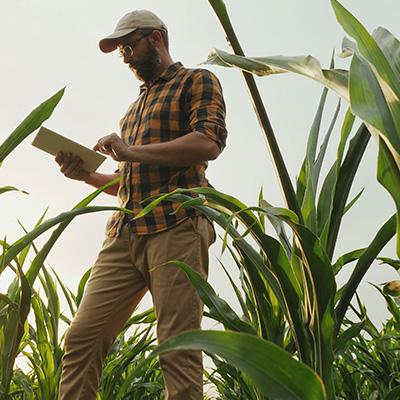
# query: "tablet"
{"points": [[52, 143]]}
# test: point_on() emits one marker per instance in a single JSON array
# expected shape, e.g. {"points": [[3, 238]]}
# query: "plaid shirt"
{"points": [[180, 101]]}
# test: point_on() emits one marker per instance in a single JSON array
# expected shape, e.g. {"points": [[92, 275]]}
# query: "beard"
{"points": [[147, 69]]}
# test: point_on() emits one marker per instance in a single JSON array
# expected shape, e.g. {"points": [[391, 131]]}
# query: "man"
{"points": [[168, 134]]}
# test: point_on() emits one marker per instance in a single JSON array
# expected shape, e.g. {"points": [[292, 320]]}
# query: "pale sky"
{"points": [[47, 44]]}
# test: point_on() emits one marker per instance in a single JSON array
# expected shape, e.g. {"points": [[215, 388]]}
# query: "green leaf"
{"points": [[366, 45], [53, 304], [238, 294], [344, 338], [394, 394], [81, 286], [347, 127], [368, 100], [389, 177], [326, 198], [275, 372], [308, 66], [313, 173], [219, 309], [7, 301], [352, 202], [389, 261], [347, 258], [390, 47], [324, 145], [389, 78], [145, 317], [24, 253], [382, 237], [322, 291], [306, 183], [66, 293], [28, 279], [20, 244], [14, 329], [65, 218], [5, 189], [32, 122], [346, 175], [278, 225]]}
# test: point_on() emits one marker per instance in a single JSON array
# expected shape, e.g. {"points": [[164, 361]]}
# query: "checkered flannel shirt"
{"points": [[180, 101]]}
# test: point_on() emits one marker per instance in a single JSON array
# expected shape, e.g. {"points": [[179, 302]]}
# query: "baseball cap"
{"points": [[129, 23]]}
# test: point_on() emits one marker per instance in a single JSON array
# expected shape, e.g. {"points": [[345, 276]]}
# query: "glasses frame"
{"points": [[126, 50]]}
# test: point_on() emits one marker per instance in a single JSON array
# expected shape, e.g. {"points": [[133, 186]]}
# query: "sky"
{"points": [[48, 44]]}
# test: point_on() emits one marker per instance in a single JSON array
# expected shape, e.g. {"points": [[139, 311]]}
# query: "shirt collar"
{"points": [[167, 75]]}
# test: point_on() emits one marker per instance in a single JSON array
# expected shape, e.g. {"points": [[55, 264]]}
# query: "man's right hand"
{"points": [[71, 166]]}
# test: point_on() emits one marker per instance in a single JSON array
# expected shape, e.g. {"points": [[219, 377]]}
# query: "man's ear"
{"points": [[156, 38]]}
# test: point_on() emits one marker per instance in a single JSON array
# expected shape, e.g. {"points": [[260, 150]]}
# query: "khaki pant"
{"points": [[118, 281]]}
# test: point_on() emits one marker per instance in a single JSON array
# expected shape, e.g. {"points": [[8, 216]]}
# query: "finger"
{"points": [[105, 149], [73, 169], [67, 162], [113, 155], [76, 160], [100, 146], [59, 158]]}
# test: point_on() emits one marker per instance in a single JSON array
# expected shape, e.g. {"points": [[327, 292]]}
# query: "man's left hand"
{"points": [[112, 145]]}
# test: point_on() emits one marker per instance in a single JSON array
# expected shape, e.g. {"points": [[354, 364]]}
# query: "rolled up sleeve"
{"points": [[206, 106]]}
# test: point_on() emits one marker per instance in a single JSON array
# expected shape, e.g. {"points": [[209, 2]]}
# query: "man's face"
{"points": [[144, 59]]}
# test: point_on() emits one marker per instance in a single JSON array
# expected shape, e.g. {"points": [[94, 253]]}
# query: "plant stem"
{"points": [[281, 170]]}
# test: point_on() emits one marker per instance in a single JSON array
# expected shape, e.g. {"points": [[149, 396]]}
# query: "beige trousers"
{"points": [[118, 281]]}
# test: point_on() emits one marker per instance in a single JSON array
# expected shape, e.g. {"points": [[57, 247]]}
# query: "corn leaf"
{"points": [[266, 364], [219, 309], [32, 122], [6, 189], [347, 258], [385, 74], [382, 237], [308, 66], [389, 177], [394, 394]]}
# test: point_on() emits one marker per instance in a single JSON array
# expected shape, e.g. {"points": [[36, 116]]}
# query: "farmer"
{"points": [[167, 136]]}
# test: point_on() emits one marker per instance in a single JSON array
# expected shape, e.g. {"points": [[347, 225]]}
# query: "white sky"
{"points": [[47, 44]]}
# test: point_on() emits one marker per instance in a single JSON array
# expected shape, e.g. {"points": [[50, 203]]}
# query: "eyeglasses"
{"points": [[127, 49]]}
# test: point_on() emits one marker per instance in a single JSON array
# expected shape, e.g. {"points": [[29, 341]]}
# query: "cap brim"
{"points": [[110, 43]]}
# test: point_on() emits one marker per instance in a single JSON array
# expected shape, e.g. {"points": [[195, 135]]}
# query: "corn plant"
{"points": [[368, 366], [16, 304], [290, 299], [122, 376], [371, 86], [293, 330], [13, 308], [43, 348]]}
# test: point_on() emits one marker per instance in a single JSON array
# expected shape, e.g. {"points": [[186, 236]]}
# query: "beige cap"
{"points": [[128, 24]]}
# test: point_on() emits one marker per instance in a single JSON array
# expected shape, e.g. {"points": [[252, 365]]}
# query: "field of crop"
{"points": [[299, 334]]}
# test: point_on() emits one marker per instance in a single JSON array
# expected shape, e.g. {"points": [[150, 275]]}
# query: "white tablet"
{"points": [[52, 143]]}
